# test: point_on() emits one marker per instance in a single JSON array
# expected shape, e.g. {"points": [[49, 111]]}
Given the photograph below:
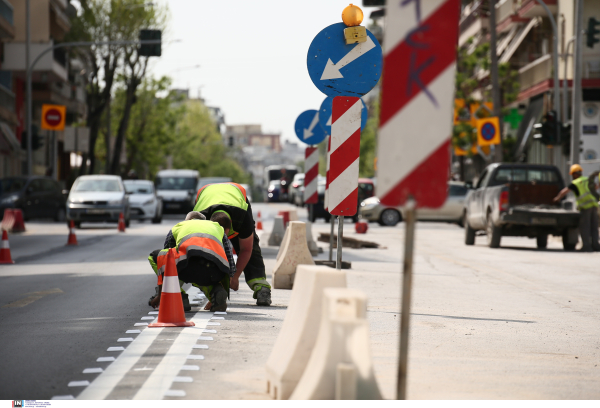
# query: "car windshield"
{"points": [[12, 185], [175, 183], [97, 185], [516, 175], [138, 188], [275, 182], [456, 190]]}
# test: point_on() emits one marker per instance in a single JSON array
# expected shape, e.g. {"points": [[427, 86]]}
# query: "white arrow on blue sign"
{"points": [[325, 115], [340, 69], [308, 129]]}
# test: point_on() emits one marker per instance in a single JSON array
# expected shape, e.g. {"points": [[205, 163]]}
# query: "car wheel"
{"points": [[157, 219], [570, 238], [389, 217], [127, 222], [542, 241], [327, 218], [493, 233], [60, 215], [77, 224], [469, 233]]}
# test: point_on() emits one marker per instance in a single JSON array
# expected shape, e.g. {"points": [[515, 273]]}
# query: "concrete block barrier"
{"points": [[278, 231], [293, 252], [340, 365], [310, 242], [299, 331]]}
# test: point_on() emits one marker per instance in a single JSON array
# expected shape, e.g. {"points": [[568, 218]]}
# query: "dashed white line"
{"points": [[190, 368], [148, 318], [220, 313], [200, 346], [208, 331], [78, 384], [103, 359], [152, 313], [183, 379], [205, 338], [195, 357], [217, 318], [92, 370], [122, 339], [133, 332], [115, 349], [63, 397], [141, 324], [175, 393], [213, 324]]}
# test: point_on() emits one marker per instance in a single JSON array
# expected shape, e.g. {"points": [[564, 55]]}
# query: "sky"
{"points": [[252, 56]]}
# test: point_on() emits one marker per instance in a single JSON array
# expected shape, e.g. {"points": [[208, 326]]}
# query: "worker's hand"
{"points": [[234, 283], [208, 305], [556, 199], [155, 302]]}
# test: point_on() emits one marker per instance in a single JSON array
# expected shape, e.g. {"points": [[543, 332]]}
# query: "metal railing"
{"points": [[6, 11]]}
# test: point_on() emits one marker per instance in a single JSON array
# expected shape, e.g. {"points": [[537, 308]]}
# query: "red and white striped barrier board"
{"points": [[326, 198], [343, 156], [311, 175], [417, 98]]}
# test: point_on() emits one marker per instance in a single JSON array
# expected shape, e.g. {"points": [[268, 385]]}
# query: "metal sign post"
{"points": [[332, 221], [338, 263]]}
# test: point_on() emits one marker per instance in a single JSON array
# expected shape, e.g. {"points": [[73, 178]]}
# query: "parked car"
{"points": [[143, 202], [36, 197], [452, 211], [97, 199], [318, 207], [296, 189], [274, 191], [248, 192], [204, 181], [517, 200], [178, 189]]}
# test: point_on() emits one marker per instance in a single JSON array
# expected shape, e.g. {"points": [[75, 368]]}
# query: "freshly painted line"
{"points": [[218, 313], [208, 331], [213, 324], [148, 318], [141, 324], [183, 379], [115, 349], [152, 313], [143, 369], [133, 332], [103, 385], [92, 370], [195, 357], [169, 367], [174, 393], [103, 359], [200, 346], [63, 397], [125, 339], [79, 383], [205, 338], [217, 318], [33, 296], [190, 368]]}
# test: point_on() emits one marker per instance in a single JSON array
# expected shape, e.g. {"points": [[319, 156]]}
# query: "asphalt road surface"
{"points": [[507, 323]]}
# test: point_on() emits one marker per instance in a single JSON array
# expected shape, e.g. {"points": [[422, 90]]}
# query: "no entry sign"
{"points": [[53, 117]]}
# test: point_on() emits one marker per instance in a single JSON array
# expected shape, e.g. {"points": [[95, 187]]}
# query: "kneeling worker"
{"points": [[230, 199], [204, 257]]}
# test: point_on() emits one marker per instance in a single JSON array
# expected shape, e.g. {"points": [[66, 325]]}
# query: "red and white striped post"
{"points": [[344, 159], [326, 202], [311, 176], [416, 122]]}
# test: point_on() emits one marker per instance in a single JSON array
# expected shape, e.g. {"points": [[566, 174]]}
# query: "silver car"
{"points": [[144, 203], [97, 199], [373, 211]]}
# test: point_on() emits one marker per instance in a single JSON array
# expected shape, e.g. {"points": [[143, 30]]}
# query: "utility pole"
{"points": [[28, 113], [577, 73], [495, 80]]}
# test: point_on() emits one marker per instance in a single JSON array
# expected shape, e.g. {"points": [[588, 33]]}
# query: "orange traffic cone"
{"points": [[5, 250], [72, 237], [121, 223], [19, 225], [170, 311], [258, 222]]}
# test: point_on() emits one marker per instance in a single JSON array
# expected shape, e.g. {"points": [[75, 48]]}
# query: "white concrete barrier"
{"points": [[293, 252], [340, 365], [310, 242], [293, 214], [278, 231], [299, 331]]}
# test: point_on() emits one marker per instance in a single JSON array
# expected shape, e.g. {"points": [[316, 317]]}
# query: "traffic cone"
{"points": [[72, 237], [19, 225], [121, 223], [259, 222], [5, 250], [361, 227], [170, 311]]}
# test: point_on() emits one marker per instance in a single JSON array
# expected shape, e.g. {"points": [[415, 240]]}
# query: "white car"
{"points": [[144, 204]]}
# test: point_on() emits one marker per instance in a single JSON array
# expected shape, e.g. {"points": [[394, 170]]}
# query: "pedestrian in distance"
{"points": [[588, 208], [204, 258], [230, 199]]}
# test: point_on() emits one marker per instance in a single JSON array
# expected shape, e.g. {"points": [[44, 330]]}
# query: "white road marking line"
{"points": [[79, 384], [205, 338], [148, 318], [115, 349], [217, 318], [174, 393], [208, 331], [125, 339], [195, 357], [169, 367], [143, 369], [133, 332], [183, 379], [92, 370], [103, 385], [220, 313], [200, 346], [193, 303], [190, 368], [153, 313], [103, 359], [141, 324], [213, 324], [63, 397]]}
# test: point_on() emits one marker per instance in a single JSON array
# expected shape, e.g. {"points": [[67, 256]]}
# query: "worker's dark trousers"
{"points": [[588, 229], [254, 272]]}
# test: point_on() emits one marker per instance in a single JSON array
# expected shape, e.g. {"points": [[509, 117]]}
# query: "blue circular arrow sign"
{"points": [[308, 129], [488, 131], [340, 69], [325, 115]]}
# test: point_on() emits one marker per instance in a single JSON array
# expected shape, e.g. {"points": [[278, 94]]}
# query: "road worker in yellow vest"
{"points": [[230, 199], [588, 208], [204, 257]]}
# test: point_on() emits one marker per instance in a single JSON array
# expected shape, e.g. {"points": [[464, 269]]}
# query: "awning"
{"points": [[531, 117], [516, 42], [8, 140]]}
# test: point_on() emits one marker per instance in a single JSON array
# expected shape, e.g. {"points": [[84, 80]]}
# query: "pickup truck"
{"points": [[516, 200]]}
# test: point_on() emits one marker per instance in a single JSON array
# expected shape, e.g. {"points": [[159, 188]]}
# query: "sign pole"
{"points": [[409, 243], [338, 264], [332, 221]]}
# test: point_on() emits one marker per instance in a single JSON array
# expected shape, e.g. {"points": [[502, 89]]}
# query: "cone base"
{"points": [[180, 324], [7, 262]]}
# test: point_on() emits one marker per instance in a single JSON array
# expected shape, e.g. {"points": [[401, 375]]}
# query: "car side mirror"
{"points": [[469, 185]]}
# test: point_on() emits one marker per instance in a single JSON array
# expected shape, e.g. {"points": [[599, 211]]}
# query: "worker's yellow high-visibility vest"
{"points": [[585, 199], [203, 239], [227, 197]]}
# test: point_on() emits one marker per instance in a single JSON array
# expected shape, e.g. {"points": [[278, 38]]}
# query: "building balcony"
{"points": [[51, 67], [7, 25], [531, 8], [536, 72], [59, 21], [7, 106]]}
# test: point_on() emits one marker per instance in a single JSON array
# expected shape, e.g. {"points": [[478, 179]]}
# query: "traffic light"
{"points": [[592, 30], [37, 141], [565, 139], [150, 50], [548, 129]]}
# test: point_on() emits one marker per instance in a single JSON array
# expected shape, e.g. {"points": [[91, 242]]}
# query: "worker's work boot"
{"points": [[218, 299], [186, 302], [263, 297]]}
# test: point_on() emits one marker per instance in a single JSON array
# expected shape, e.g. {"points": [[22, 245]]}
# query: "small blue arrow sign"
{"points": [[308, 129], [488, 131], [325, 115], [340, 69]]}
